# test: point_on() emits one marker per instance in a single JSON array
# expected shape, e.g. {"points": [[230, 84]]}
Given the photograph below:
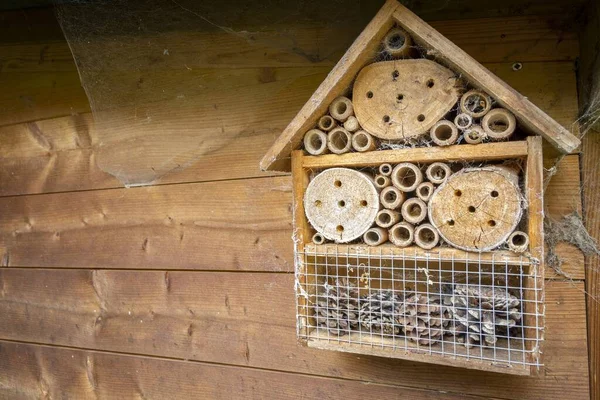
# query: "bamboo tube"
{"points": [[406, 177], [444, 133], [382, 181], [518, 242], [463, 121], [339, 141], [402, 234], [315, 142], [499, 124], [385, 169], [363, 141], [397, 43], [341, 108], [318, 238], [438, 172], [386, 218], [426, 236], [351, 124], [326, 123], [391, 197], [425, 191], [474, 134], [414, 210], [475, 103], [375, 236]]}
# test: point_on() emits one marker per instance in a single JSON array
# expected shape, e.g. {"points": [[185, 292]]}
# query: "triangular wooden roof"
{"points": [[365, 48]]}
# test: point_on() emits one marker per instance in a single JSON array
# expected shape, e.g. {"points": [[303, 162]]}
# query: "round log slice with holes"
{"points": [[341, 204], [403, 98], [476, 209]]}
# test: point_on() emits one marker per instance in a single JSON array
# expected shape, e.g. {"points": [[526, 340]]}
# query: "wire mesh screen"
{"points": [[402, 300]]}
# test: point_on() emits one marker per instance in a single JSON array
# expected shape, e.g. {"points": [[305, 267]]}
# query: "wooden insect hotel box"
{"points": [[418, 204]]}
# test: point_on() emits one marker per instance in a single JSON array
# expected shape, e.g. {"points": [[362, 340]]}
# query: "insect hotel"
{"points": [[418, 204]]}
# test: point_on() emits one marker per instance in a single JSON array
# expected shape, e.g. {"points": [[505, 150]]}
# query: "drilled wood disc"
{"points": [[341, 204], [476, 209], [403, 98]]}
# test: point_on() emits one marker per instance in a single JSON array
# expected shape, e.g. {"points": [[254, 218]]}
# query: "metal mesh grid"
{"points": [[450, 304]]}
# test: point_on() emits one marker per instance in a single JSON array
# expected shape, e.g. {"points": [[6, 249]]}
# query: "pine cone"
{"points": [[482, 313], [423, 318], [338, 307], [379, 312]]}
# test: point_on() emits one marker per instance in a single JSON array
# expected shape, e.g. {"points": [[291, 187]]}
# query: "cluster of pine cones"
{"points": [[474, 315]]}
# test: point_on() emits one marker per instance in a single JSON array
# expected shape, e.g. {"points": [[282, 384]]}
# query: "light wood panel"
{"points": [[230, 225], [62, 154], [248, 319]]}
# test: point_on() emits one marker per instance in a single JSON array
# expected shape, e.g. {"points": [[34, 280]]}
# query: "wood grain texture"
{"points": [[62, 154], [48, 372], [232, 225], [589, 93], [40, 78], [591, 216], [220, 317]]}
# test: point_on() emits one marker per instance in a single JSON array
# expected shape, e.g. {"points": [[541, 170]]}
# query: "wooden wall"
{"points": [[185, 288]]}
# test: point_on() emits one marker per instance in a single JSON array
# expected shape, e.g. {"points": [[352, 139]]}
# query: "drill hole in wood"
{"points": [[364, 203], [421, 118], [318, 203], [339, 228], [341, 203], [337, 183], [430, 83], [369, 95], [395, 75], [472, 209], [386, 118]]}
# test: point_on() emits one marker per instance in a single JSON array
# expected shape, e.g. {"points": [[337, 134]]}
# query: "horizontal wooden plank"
{"points": [[72, 153], [231, 225], [486, 151], [505, 39], [40, 80], [190, 315], [86, 374]]}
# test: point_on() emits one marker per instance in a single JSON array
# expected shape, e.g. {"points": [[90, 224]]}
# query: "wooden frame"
{"points": [[363, 51], [529, 151]]}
